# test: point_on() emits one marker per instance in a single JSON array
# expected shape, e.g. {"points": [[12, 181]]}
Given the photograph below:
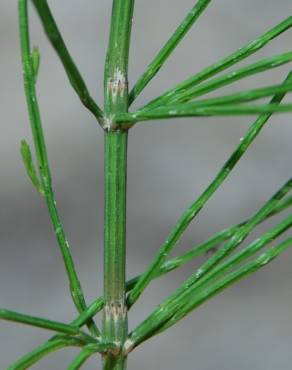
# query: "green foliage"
{"points": [[29, 166], [35, 59], [228, 264]]}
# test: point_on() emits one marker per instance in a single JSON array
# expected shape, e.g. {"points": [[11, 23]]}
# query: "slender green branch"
{"points": [[145, 331], [246, 95], [237, 238], [168, 48], [191, 212], [38, 322], [89, 312], [192, 110], [200, 279], [210, 244], [233, 277], [42, 159], [215, 241], [56, 39], [224, 63], [51, 346], [240, 97], [243, 231], [233, 76], [195, 91], [242, 255]]}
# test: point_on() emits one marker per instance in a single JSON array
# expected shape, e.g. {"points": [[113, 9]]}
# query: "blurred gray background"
{"points": [[247, 327]]}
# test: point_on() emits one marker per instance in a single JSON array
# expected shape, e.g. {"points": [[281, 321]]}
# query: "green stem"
{"points": [[115, 312], [115, 322]]}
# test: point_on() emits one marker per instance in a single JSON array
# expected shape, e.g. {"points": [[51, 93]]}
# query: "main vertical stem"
{"points": [[115, 326]]}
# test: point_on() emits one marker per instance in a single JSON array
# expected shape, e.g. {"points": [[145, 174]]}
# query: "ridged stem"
{"points": [[115, 326]]}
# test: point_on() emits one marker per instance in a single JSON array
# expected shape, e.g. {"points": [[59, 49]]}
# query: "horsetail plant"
{"points": [[228, 263]]}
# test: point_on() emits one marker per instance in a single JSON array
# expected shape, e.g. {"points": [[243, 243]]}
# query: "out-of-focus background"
{"points": [[249, 326]]}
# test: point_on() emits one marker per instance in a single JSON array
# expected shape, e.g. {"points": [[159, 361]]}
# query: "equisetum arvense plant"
{"points": [[228, 263]]}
